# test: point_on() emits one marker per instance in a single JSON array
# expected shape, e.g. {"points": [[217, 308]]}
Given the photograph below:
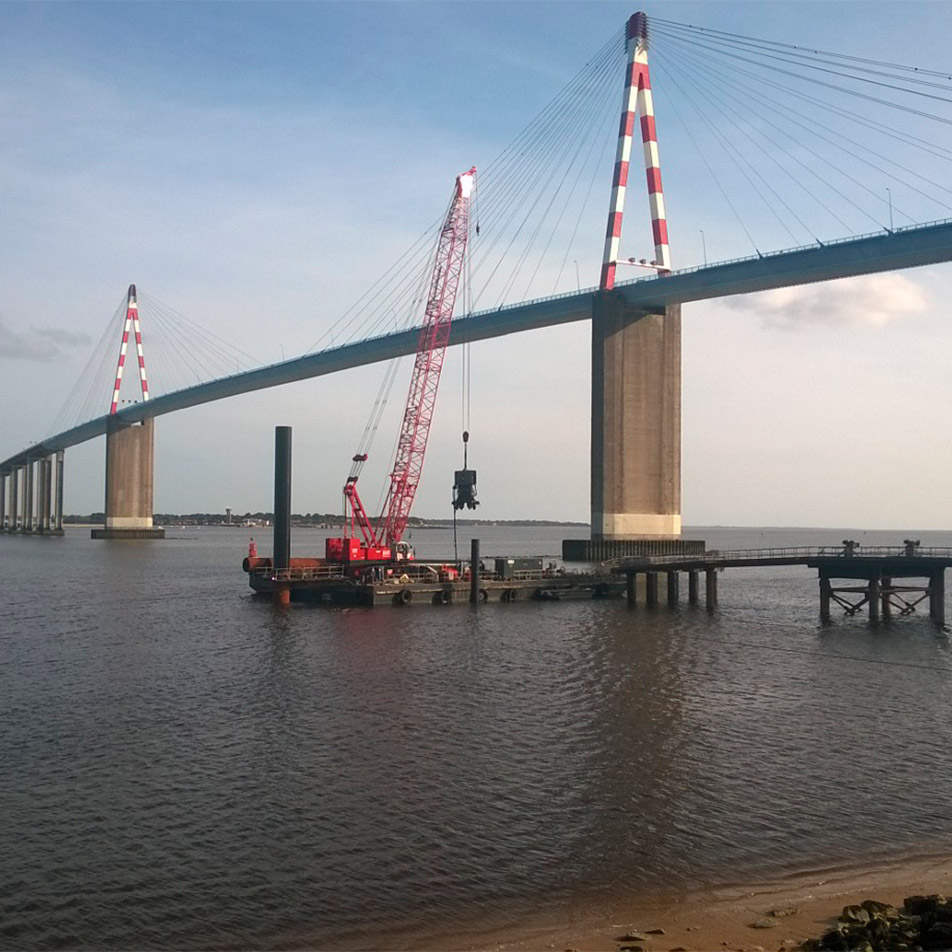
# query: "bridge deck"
{"points": [[907, 247]]}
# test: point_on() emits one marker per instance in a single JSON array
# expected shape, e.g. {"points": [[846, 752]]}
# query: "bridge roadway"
{"points": [[909, 247]]}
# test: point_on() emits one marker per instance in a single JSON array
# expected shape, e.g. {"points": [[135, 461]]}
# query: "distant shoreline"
{"points": [[434, 524]]}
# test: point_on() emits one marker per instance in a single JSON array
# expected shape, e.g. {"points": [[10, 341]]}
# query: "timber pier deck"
{"points": [[877, 567]]}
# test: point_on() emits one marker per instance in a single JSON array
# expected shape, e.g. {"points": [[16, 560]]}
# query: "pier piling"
{"points": [[474, 571], [631, 588], [281, 556], [937, 597], [693, 587], [651, 589], [673, 587], [710, 586]]}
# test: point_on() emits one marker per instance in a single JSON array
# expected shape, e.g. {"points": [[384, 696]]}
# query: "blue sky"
{"points": [[255, 166]]}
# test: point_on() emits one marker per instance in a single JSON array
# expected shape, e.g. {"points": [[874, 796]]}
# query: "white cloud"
{"points": [[869, 301]]}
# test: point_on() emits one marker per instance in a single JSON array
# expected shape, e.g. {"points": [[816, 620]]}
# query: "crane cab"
{"points": [[349, 549]]}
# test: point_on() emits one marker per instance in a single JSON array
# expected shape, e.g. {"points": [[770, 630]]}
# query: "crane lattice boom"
{"points": [[434, 337], [380, 542]]}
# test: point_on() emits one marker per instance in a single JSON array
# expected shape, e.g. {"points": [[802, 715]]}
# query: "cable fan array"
{"points": [[763, 145], [179, 353], [804, 145]]}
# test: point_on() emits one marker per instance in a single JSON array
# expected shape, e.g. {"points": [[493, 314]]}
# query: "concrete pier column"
{"points": [[130, 483], [693, 586], [58, 517], [3, 502], [885, 595], [631, 589], [46, 523], [29, 498], [673, 587], [826, 592], [40, 494], [710, 589], [873, 598], [651, 588], [937, 597], [636, 420], [14, 498]]}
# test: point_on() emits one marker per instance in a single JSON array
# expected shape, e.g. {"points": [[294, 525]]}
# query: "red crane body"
{"points": [[380, 543]]}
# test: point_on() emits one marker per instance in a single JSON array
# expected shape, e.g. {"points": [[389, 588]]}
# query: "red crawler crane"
{"points": [[383, 542]]}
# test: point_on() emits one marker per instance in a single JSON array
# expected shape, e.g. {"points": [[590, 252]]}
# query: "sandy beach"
{"points": [[716, 919], [723, 919]]}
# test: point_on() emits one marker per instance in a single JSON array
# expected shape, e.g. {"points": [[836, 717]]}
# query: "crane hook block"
{"points": [[464, 489]]}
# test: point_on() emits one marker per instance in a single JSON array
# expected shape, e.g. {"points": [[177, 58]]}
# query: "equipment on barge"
{"points": [[383, 542]]}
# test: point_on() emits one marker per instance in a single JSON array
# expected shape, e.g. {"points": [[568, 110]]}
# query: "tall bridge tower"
{"points": [[130, 451], [636, 357]]}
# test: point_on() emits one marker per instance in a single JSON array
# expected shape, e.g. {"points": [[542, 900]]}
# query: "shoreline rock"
{"points": [[924, 922]]}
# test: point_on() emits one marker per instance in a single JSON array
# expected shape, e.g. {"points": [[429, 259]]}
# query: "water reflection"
{"points": [[184, 766]]}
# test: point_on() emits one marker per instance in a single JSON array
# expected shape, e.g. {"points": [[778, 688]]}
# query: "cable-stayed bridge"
{"points": [[636, 324]]}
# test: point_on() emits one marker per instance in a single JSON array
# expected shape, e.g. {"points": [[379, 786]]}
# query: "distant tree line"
{"points": [[303, 520]]}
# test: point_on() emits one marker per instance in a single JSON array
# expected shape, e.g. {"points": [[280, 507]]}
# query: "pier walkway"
{"points": [[877, 567]]}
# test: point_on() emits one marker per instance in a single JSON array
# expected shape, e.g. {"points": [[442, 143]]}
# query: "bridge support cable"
{"points": [[719, 48], [744, 94], [744, 128], [745, 167], [182, 346], [521, 214], [748, 93], [759, 85], [94, 384], [515, 209], [796, 90]]}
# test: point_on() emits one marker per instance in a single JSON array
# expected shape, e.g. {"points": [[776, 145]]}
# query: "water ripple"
{"points": [[183, 768]]}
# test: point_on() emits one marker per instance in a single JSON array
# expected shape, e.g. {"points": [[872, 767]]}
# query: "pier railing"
{"points": [[299, 573], [793, 554]]}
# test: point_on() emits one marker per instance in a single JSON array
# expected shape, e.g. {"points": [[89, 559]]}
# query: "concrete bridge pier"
{"points": [[14, 499], [40, 521], [3, 502], [636, 421], [130, 452], [46, 495], [28, 497], [636, 432], [58, 503]]}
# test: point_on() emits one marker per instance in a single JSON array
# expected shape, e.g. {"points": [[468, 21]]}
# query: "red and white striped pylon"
{"points": [[132, 320], [637, 100]]}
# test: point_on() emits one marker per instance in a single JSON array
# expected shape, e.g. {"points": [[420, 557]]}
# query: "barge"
{"points": [[424, 583]]}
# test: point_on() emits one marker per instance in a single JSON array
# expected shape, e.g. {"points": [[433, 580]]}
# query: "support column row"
{"points": [[31, 496], [673, 587]]}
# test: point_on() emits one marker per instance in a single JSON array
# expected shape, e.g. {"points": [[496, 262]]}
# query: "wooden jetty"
{"points": [[895, 579]]}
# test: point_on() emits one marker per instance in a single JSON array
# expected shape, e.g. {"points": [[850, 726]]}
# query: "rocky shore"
{"points": [[923, 922]]}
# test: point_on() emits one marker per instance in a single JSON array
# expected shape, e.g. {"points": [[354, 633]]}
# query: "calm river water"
{"points": [[183, 767]]}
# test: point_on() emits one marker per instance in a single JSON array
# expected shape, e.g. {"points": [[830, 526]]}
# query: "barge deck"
{"points": [[313, 580]]}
